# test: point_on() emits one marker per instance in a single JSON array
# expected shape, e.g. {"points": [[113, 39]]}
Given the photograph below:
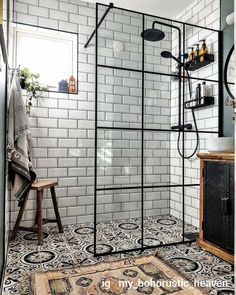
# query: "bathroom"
{"points": [[120, 86]]}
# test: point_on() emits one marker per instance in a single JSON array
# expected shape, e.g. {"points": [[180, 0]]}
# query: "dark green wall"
{"points": [[2, 165], [227, 6]]}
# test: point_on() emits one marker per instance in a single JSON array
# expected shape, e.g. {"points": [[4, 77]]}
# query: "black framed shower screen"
{"points": [[142, 130]]}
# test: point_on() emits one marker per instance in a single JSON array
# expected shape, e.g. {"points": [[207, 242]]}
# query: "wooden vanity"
{"points": [[216, 230]]}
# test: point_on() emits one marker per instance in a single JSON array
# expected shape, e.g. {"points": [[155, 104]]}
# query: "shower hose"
{"points": [[195, 126]]}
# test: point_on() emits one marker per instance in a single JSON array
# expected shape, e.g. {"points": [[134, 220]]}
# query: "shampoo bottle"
{"points": [[203, 50], [191, 54], [197, 60]]}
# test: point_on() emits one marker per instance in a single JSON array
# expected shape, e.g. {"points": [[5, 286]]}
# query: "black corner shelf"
{"points": [[195, 64], [199, 102]]}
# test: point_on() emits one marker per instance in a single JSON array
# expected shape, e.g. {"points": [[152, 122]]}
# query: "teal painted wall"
{"points": [[227, 6], [2, 165]]}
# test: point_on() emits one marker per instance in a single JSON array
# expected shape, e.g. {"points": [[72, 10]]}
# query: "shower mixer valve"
{"points": [[182, 127]]}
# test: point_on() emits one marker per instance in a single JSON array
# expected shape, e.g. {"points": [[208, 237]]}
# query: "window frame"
{"points": [[48, 33]]}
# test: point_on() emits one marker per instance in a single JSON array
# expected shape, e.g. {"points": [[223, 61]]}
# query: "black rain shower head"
{"points": [[153, 35]]}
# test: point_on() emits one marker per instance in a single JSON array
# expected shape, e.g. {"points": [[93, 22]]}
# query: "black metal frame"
{"points": [[111, 5], [225, 73], [181, 108]]}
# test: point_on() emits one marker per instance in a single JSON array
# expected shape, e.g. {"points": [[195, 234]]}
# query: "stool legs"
{"points": [[19, 217], [38, 227], [37, 209], [39, 217], [54, 201]]}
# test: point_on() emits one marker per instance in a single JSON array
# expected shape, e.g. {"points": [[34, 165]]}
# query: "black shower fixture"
{"points": [[153, 34], [182, 127], [168, 54]]}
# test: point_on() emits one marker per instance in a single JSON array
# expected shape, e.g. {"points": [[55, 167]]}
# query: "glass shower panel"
{"points": [[192, 166], [193, 36], [160, 227], [119, 158], [119, 98], [162, 163], [152, 50], [157, 102], [206, 117], [192, 212], [118, 220], [189, 196], [119, 41]]}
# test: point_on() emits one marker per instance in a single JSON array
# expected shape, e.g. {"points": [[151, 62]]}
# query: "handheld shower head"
{"points": [[168, 54]]}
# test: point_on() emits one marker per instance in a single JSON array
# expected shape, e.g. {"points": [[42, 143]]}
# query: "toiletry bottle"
{"points": [[197, 60], [191, 54], [203, 50], [198, 94], [204, 89]]}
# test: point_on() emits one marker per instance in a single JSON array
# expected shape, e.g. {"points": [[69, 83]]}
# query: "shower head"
{"points": [[153, 35], [168, 54]]}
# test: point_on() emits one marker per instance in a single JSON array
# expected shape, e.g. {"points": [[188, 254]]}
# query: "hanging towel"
{"points": [[21, 172]]}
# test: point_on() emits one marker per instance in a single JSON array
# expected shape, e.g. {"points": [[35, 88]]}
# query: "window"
{"points": [[52, 54]]}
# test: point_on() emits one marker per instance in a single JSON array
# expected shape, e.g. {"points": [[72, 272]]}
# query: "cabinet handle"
{"points": [[225, 203]]}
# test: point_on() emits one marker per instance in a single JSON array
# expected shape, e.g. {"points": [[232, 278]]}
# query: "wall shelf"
{"points": [[192, 66], [199, 102], [57, 91], [61, 92]]}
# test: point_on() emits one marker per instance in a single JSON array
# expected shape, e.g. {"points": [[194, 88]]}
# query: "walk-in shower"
{"points": [[142, 184]]}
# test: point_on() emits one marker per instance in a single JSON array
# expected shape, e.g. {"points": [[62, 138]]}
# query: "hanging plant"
{"points": [[29, 81]]}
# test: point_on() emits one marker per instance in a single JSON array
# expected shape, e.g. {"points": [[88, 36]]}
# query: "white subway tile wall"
{"points": [[63, 125]]}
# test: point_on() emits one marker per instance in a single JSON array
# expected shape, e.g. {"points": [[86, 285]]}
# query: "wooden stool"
{"points": [[39, 186]]}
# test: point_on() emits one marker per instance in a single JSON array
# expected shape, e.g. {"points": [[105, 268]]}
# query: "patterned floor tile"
{"points": [[75, 247]]}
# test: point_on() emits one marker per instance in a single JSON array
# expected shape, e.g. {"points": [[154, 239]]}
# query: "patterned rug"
{"points": [[144, 275]]}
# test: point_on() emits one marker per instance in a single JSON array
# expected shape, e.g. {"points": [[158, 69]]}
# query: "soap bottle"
{"points": [[197, 54], [191, 54], [203, 50]]}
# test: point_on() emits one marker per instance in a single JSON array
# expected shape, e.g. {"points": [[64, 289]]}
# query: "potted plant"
{"points": [[29, 81]]}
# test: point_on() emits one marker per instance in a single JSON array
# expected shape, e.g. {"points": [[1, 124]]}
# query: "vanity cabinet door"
{"points": [[216, 200], [230, 247]]}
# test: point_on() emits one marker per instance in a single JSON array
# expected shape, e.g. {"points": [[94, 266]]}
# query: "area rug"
{"points": [[144, 275]]}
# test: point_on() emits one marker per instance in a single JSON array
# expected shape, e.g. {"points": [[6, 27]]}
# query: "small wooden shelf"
{"points": [[200, 102], [195, 64]]}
